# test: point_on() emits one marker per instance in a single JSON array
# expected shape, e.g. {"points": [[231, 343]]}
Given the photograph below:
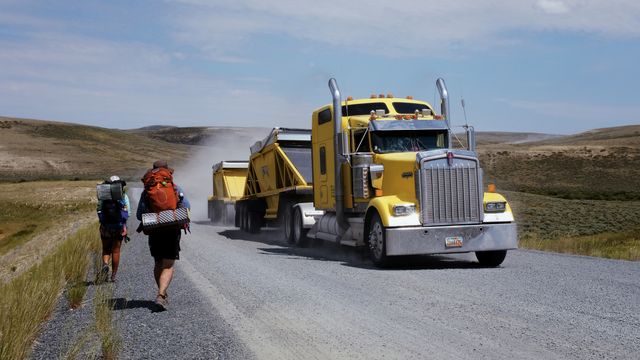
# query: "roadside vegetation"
{"points": [[30, 208], [28, 299]]}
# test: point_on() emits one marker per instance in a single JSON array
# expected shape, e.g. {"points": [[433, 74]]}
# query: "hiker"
{"points": [[164, 243], [113, 215]]}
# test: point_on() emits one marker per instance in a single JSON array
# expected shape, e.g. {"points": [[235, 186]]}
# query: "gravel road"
{"points": [[239, 296], [327, 302]]}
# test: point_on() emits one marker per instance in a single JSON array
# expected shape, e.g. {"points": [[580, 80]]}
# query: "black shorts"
{"points": [[165, 244]]}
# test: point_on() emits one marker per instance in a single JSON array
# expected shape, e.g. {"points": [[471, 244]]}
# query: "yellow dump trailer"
{"points": [[278, 178], [229, 179]]}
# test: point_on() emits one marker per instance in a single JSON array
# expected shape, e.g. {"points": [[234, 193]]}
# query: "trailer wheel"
{"points": [[230, 214], [299, 233], [244, 218], [377, 242], [254, 222], [491, 258], [287, 224]]}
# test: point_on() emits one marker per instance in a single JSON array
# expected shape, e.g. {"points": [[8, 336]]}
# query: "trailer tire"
{"points": [[254, 222], [230, 214], [377, 241], [491, 258], [244, 218], [299, 233], [287, 224]]}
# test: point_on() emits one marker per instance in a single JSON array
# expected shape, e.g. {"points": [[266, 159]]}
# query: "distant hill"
{"points": [[496, 137], [597, 164], [35, 149], [196, 135]]}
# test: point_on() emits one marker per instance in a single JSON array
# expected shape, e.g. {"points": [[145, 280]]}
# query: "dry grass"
{"points": [[30, 208], [28, 299], [34, 149], [110, 339], [623, 245]]}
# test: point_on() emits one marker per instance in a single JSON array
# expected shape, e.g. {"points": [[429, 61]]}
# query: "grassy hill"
{"points": [[34, 149], [599, 164]]}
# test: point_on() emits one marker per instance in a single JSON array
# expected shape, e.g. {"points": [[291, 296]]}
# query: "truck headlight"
{"points": [[403, 209], [495, 206]]}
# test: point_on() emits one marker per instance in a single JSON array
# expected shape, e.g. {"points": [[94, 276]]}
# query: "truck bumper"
{"points": [[433, 240]]}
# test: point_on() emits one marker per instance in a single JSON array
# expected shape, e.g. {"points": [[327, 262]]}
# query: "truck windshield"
{"points": [[407, 141]]}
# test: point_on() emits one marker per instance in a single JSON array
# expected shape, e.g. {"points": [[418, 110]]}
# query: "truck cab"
{"points": [[387, 176]]}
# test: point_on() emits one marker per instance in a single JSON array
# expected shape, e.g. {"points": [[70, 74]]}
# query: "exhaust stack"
{"points": [[444, 103], [337, 151]]}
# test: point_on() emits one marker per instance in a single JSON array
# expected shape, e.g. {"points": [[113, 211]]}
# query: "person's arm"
{"points": [[125, 208], [99, 210], [183, 200]]}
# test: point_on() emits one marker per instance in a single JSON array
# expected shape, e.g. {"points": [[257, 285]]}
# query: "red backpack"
{"points": [[161, 191]]}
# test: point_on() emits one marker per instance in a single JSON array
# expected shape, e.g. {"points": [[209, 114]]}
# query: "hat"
{"points": [[114, 178], [160, 164]]}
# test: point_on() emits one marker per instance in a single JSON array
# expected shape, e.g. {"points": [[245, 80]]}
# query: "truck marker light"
{"points": [[409, 97], [389, 96], [373, 96], [378, 192], [349, 98], [381, 96], [438, 117], [491, 187]]}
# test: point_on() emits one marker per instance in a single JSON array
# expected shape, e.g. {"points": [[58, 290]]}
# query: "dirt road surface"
{"points": [[272, 301]]}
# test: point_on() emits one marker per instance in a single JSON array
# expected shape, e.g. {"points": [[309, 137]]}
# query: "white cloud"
{"points": [[552, 6], [119, 84], [402, 27]]}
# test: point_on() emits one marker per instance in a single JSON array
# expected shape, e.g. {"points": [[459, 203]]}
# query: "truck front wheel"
{"points": [[287, 224], [491, 258], [377, 242], [298, 230]]}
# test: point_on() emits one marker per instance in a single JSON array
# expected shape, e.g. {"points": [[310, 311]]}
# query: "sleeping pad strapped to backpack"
{"points": [[160, 190]]}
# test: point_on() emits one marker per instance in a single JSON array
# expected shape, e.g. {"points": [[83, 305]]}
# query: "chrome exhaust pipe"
{"points": [[444, 103], [337, 151]]}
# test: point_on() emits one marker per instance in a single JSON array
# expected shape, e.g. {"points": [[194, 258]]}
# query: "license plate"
{"points": [[453, 241]]}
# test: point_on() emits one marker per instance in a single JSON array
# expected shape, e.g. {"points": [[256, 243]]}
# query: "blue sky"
{"points": [[555, 66]]}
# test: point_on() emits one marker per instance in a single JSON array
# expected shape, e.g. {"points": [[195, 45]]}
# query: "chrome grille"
{"points": [[450, 194]]}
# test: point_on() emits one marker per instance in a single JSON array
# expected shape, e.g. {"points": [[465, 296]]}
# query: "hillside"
{"points": [[34, 149], [597, 164], [197, 135]]}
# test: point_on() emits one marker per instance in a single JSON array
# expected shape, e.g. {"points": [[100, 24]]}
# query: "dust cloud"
{"points": [[194, 176]]}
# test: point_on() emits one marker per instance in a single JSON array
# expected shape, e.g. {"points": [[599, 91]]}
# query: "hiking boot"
{"points": [[162, 302]]}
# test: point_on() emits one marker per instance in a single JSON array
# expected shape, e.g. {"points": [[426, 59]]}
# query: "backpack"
{"points": [[161, 192], [111, 214]]}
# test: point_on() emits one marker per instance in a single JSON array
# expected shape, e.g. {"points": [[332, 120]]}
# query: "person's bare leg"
{"points": [[105, 258], [157, 270], [115, 258], [165, 276]]}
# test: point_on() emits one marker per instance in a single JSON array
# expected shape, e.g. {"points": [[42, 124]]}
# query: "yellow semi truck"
{"points": [[229, 178], [384, 175]]}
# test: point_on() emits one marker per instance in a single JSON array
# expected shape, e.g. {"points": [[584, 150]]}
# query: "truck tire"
{"points": [[299, 233], [491, 258], [377, 241], [254, 222], [238, 210], [244, 218], [287, 224], [230, 214]]}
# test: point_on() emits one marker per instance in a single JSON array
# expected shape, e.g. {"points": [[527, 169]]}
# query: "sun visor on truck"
{"points": [[396, 125]]}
